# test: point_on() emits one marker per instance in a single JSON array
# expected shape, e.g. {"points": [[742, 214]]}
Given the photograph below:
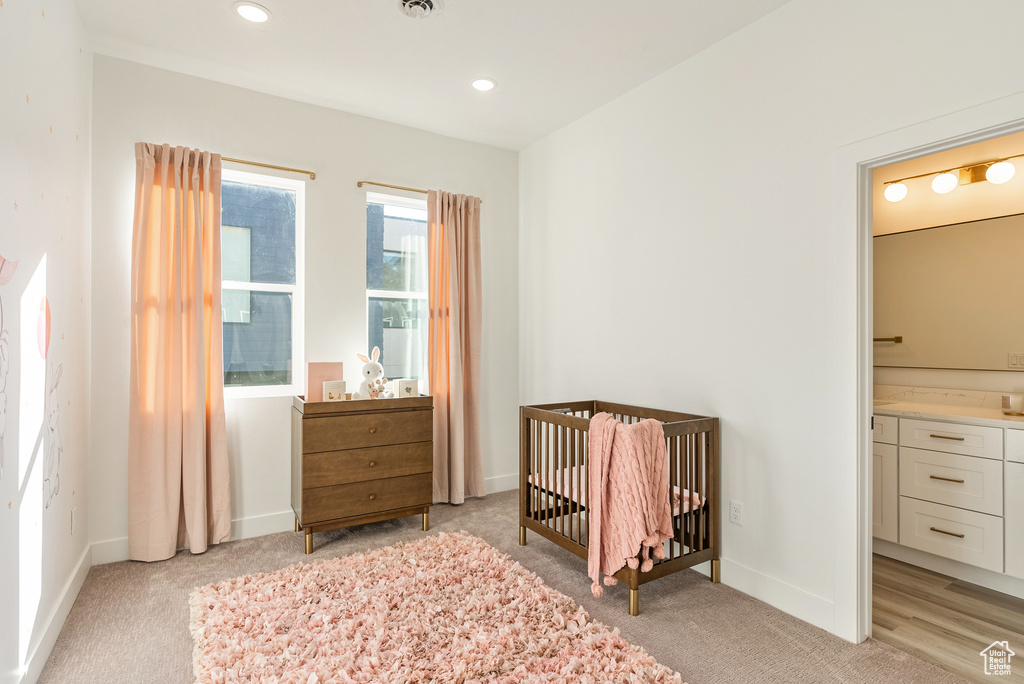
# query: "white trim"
{"points": [[501, 483], [56, 619], [854, 164], [262, 525], [247, 286], [110, 551], [298, 291], [817, 611], [392, 294]]}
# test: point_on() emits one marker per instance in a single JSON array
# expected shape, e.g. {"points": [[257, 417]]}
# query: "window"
{"points": [[396, 284], [262, 220]]}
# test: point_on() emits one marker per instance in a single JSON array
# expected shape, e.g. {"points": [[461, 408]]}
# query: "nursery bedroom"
{"points": [[524, 341]]}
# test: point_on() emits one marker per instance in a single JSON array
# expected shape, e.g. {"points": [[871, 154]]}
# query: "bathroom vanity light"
{"points": [[997, 171], [945, 182], [894, 192], [1000, 172]]}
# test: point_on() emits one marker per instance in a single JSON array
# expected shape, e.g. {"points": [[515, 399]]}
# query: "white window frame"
{"points": [[297, 385], [408, 203]]}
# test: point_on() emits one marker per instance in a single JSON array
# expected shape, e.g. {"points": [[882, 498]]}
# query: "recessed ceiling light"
{"points": [[252, 11], [483, 84]]}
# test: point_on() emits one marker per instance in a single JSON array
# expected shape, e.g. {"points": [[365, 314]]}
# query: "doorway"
{"points": [[981, 123]]}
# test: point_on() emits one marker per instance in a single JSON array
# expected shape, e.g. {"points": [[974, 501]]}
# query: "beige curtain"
{"points": [[453, 232], [177, 462]]}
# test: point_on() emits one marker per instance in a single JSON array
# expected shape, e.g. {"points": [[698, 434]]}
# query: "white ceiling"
{"points": [[553, 60]]}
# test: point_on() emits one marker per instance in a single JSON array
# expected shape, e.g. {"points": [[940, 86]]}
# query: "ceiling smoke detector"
{"points": [[420, 9]]}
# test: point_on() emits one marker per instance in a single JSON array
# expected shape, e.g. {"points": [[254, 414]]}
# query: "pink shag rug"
{"points": [[445, 608]]}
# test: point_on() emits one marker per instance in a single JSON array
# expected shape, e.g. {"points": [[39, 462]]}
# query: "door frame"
{"points": [[855, 165]]}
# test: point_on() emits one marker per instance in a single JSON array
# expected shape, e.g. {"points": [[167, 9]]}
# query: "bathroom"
{"points": [[948, 426]]}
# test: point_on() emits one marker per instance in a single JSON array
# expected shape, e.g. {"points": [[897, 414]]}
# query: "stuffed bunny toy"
{"points": [[374, 382]]}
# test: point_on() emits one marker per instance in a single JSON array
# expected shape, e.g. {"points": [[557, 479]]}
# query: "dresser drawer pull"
{"points": [[945, 479], [374, 496], [373, 431], [951, 534], [373, 464], [955, 439]]}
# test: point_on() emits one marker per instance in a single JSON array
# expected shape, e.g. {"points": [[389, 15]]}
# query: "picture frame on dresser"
{"points": [[355, 462]]}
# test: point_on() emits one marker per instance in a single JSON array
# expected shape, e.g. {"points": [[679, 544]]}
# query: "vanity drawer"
{"points": [[965, 536], [952, 479], [954, 438], [886, 430], [333, 433], [1015, 445]]}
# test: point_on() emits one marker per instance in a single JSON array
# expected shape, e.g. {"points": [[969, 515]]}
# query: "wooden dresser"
{"points": [[356, 462]]}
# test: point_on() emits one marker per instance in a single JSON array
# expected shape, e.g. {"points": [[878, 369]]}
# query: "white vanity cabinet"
{"points": [[951, 491], [885, 473], [1014, 503]]}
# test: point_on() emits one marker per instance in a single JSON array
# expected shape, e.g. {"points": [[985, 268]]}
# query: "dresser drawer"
{"points": [[363, 498], [952, 479], [886, 430], [327, 468], [334, 433], [965, 536], [954, 438]]}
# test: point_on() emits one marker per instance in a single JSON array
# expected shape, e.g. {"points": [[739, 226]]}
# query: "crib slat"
{"points": [[701, 451]]}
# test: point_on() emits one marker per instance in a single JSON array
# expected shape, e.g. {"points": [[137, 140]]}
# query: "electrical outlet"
{"points": [[72, 521], [735, 512]]}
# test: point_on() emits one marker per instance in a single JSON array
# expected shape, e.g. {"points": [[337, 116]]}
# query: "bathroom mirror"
{"points": [[954, 295]]}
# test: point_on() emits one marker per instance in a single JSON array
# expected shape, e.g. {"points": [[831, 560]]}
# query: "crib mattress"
{"points": [[564, 481]]}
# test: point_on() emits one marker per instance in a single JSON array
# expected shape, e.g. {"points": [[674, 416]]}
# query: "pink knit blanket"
{"points": [[630, 512]]}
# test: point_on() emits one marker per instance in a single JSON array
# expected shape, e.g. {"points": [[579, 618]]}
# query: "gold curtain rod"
{"points": [[393, 187], [311, 174]]}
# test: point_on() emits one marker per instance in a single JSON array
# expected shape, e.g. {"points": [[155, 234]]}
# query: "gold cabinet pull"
{"points": [[373, 430], [373, 464], [955, 439], [951, 534], [945, 479], [374, 496]]}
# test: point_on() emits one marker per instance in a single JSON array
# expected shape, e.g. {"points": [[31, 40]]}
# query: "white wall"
{"points": [[681, 247], [138, 103], [45, 66]]}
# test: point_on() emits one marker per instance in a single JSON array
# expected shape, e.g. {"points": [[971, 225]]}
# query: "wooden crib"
{"points": [[553, 493]]}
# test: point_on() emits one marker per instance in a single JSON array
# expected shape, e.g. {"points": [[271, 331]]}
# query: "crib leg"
{"points": [[716, 570], [522, 535], [634, 602]]}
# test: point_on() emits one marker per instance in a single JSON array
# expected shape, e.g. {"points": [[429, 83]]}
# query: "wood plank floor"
{"points": [[945, 621]]}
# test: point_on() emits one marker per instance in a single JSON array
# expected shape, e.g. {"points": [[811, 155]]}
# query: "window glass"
{"points": [[260, 230], [396, 285]]}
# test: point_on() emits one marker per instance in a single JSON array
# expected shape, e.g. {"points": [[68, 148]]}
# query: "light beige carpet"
{"points": [[130, 623]]}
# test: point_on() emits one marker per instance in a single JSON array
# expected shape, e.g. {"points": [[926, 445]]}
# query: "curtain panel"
{"points": [[178, 488], [454, 297]]}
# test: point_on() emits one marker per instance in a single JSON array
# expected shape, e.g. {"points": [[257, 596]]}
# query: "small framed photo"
{"points": [[406, 388], [334, 390]]}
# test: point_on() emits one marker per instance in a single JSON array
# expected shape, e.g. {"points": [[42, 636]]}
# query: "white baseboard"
{"points": [[945, 566], [110, 551], [114, 550], [798, 603], [55, 621], [501, 483], [260, 525]]}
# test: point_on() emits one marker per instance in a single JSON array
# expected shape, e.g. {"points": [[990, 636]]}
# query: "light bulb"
{"points": [[945, 182], [483, 84], [252, 12], [894, 192], [1000, 172]]}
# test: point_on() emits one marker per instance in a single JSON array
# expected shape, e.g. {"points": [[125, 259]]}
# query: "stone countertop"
{"points": [[977, 415]]}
